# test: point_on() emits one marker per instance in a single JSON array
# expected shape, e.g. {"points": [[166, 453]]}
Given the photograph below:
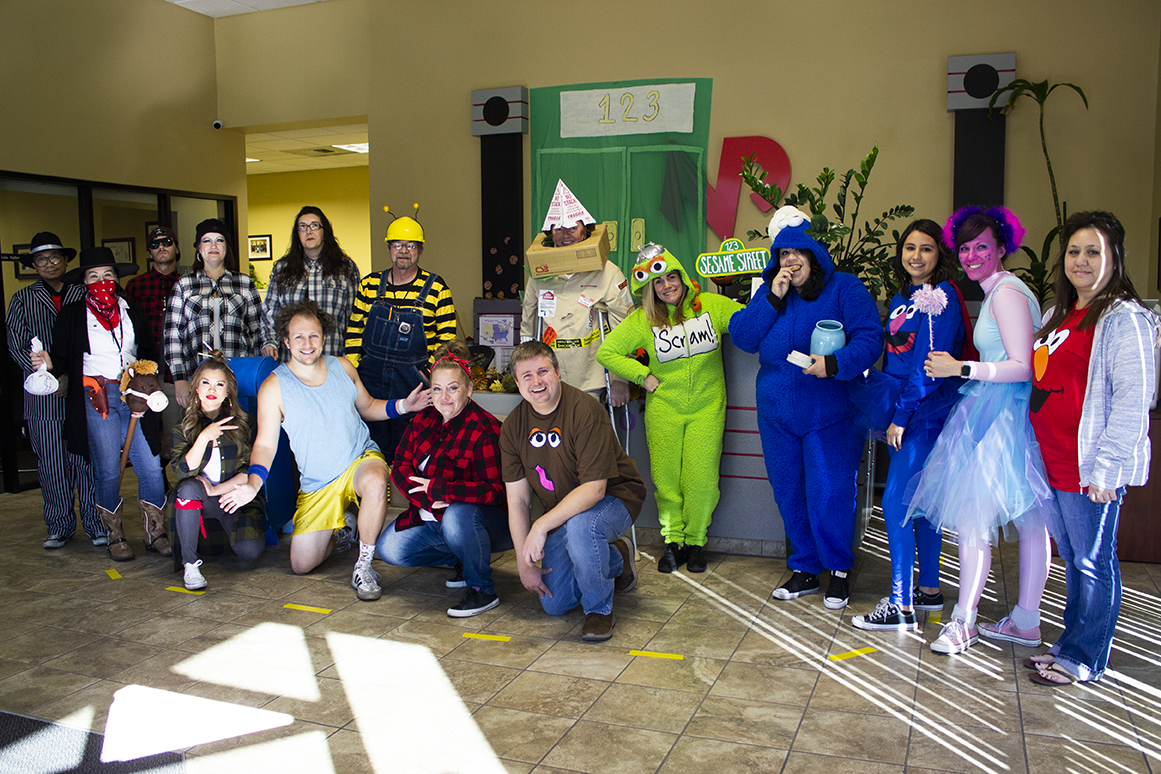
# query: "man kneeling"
{"points": [[321, 403], [448, 463], [558, 442]]}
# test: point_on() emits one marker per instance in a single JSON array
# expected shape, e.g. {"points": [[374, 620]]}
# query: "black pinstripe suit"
{"points": [[32, 313]]}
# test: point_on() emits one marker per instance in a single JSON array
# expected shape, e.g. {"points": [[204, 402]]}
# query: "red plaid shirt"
{"points": [[151, 292], [463, 462]]}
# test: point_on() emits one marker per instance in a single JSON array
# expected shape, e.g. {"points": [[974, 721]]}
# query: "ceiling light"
{"points": [[250, 160], [358, 147]]}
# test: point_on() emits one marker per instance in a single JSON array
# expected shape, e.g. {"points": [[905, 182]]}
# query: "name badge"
{"points": [[546, 304]]}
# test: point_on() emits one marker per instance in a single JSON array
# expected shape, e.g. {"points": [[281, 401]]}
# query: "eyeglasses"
{"points": [[408, 246], [167, 242], [45, 260], [309, 226]]}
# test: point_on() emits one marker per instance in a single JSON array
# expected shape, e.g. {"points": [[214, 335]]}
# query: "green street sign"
{"points": [[733, 258]]}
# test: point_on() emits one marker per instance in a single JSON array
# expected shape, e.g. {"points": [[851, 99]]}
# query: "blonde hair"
{"points": [[654, 308], [455, 348], [191, 421]]}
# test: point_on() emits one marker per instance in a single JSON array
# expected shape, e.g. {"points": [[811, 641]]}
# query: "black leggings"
{"points": [[189, 522]]}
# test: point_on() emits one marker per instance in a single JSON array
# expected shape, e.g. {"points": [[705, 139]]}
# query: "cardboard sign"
{"points": [[589, 255], [733, 258]]}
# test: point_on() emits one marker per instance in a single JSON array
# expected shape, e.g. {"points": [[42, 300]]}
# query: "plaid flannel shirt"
{"points": [[189, 327], [151, 292], [335, 294], [463, 462]]}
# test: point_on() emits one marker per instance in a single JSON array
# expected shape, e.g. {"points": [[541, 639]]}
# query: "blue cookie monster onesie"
{"points": [[812, 450]]}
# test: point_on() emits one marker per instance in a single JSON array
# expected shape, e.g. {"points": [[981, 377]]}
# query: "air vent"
{"points": [[315, 153]]}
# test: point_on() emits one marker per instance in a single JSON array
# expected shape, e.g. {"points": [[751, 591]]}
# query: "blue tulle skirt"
{"points": [[874, 395], [985, 475]]}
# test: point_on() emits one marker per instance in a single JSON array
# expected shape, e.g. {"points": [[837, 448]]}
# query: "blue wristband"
{"points": [[260, 471]]}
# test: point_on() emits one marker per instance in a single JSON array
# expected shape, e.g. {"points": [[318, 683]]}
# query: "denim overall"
{"points": [[394, 357]]}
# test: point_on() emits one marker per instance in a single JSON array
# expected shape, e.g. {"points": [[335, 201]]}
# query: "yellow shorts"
{"points": [[324, 508]]}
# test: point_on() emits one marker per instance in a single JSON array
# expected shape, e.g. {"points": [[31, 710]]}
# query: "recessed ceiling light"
{"points": [[250, 160], [358, 147]]}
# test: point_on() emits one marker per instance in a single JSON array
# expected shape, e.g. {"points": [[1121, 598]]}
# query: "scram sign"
{"points": [[733, 258]]}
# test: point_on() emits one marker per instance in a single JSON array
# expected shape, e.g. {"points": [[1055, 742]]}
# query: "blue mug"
{"points": [[828, 337]]}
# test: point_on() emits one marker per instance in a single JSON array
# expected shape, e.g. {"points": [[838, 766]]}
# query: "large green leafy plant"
{"points": [[859, 250], [1037, 275]]}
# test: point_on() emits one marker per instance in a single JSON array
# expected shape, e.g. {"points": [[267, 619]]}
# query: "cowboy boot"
{"points": [[119, 548], [156, 538]]}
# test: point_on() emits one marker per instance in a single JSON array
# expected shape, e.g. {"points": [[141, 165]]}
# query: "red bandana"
{"points": [[102, 299]]}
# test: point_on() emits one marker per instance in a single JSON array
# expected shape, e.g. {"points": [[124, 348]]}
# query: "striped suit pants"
{"points": [[62, 475]]}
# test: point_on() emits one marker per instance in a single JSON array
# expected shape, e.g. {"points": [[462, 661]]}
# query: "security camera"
{"points": [[218, 124]]}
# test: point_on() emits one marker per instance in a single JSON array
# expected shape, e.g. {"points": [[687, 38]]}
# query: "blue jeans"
{"points": [[468, 533], [105, 439], [583, 560], [902, 538], [1088, 547]]}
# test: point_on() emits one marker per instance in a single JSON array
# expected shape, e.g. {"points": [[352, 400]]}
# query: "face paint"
{"points": [[981, 257]]}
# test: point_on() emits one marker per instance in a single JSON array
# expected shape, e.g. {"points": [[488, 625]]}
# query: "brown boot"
{"points": [[119, 548], [156, 538]]}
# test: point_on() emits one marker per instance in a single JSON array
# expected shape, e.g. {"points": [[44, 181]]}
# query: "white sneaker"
{"points": [[366, 582], [55, 541], [955, 637], [194, 581]]}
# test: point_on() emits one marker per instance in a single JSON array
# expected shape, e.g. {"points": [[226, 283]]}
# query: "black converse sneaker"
{"points": [[457, 581], [799, 585], [921, 601], [475, 601], [886, 617], [838, 591]]}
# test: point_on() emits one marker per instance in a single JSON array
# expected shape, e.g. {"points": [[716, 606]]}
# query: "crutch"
{"points": [[602, 311]]}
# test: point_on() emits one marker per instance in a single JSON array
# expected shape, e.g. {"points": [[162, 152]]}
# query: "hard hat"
{"points": [[404, 229]]}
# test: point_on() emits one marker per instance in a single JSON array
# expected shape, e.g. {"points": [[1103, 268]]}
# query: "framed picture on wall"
{"points": [[260, 249], [23, 273], [122, 249]]}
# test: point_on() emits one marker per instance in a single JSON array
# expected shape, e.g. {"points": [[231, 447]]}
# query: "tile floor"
{"points": [[397, 686]]}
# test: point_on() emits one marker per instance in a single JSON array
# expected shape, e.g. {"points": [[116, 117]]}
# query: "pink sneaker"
{"points": [[955, 637], [1005, 630]]}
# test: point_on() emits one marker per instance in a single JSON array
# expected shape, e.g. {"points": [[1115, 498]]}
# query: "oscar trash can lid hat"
{"points": [[565, 210], [45, 240], [93, 257]]}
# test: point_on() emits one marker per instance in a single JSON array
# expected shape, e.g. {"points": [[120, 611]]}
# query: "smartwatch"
{"points": [[965, 370]]}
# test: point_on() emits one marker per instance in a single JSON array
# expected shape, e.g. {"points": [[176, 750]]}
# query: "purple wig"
{"points": [[1011, 233]]}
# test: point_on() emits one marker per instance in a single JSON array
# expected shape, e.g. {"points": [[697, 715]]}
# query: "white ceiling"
{"points": [[290, 150], [218, 8]]}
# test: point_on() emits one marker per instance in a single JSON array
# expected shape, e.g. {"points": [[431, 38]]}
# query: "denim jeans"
{"points": [[1088, 546], [105, 439], [468, 533], [583, 560]]}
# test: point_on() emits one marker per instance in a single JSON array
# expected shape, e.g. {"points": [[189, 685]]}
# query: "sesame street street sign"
{"points": [[733, 258]]}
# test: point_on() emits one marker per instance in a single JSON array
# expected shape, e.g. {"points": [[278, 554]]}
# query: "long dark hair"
{"points": [[945, 267], [814, 284], [292, 266], [1119, 286]]}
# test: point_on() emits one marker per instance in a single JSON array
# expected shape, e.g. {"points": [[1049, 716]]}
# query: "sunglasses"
{"points": [[167, 242]]}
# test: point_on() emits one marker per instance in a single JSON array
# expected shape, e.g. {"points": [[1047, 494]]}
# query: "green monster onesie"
{"points": [[685, 415]]}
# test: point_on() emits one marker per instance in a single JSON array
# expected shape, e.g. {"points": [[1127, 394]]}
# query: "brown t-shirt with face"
{"points": [[569, 447]]}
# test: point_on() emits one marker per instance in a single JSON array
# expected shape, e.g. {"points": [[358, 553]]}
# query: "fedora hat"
{"points": [[45, 240], [93, 257]]}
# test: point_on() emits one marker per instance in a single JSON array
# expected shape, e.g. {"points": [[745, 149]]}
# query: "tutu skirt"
{"points": [[873, 398], [985, 474]]}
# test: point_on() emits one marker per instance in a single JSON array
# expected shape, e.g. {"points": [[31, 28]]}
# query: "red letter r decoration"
{"points": [[722, 203]]}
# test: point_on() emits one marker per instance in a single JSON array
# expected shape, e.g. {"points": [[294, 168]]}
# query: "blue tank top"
{"points": [[987, 332], [326, 432]]}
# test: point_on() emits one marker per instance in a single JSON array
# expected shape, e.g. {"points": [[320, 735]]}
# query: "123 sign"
{"points": [[650, 109]]}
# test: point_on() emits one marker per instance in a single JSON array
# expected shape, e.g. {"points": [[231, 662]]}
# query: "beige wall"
{"points": [[295, 64], [116, 92], [340, 193], [825, 79]]}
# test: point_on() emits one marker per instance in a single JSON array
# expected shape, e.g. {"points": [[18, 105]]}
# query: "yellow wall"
{"points": [[116, 92], [340, 193], [825, 79]]}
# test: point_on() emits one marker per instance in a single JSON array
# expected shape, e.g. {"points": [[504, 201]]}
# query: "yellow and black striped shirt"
{"points": [[439, 314]]}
